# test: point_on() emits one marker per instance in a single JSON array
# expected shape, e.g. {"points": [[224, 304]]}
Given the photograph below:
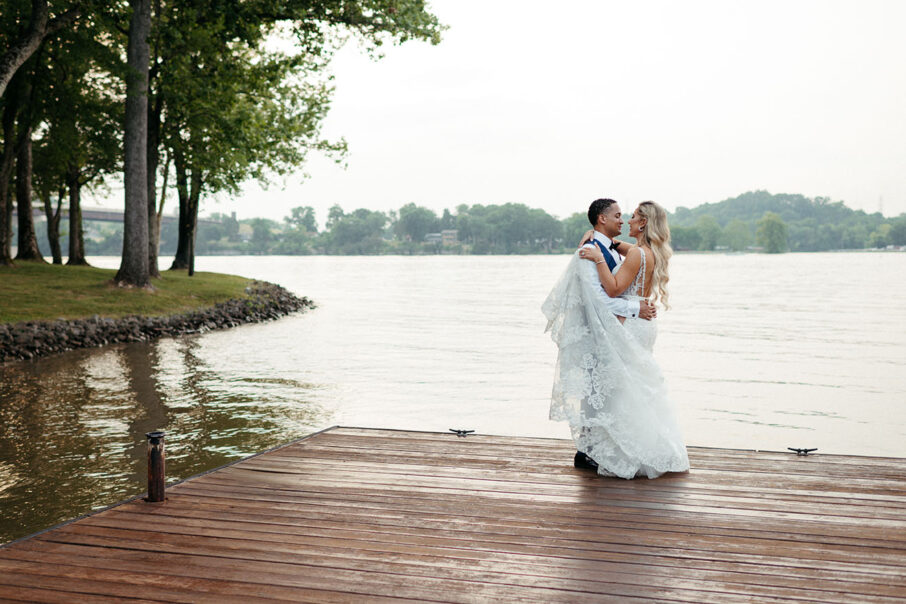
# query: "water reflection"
{"points": [[72, 426]]}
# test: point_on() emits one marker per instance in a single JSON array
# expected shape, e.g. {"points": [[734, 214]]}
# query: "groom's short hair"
{"points": [[598, 207]]}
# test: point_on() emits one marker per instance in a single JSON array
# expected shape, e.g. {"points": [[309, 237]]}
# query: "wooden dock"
{"points": [[362, 515]]}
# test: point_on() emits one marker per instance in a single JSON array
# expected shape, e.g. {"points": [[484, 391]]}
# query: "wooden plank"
{"points": [[555, 521], [831, 494], [616, 580], [551, 567], [361, 515]]}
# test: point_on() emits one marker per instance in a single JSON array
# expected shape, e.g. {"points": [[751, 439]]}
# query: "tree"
{"points": [[302, 219], [29, 38], [772, 233], [898, 231], [573, 228], [261, 235], [133, 269], [737, 235], [27, 241], [234, 110], [447, 221], [334, 215], [359, 232], [709, 232], [415, 222], [685, 237], [81, 119], [7, 161], [880, 237]]}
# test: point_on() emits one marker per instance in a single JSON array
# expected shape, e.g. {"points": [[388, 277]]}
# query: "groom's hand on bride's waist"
{"points": [[647, 310]]}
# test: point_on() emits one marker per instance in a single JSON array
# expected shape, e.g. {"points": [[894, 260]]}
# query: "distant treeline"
{"points": [[756, 221]]}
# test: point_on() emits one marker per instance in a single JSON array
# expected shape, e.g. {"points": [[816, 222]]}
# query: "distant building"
{"points": [[449, 236], [445, 237]]}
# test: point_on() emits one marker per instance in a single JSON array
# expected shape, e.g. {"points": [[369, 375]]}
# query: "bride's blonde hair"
{"points": [[656, 235]]}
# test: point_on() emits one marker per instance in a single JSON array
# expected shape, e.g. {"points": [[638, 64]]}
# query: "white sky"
{"points": [[553, 104]]}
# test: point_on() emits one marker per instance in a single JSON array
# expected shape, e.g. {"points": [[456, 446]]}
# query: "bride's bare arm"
{"points": [[614, 285]]}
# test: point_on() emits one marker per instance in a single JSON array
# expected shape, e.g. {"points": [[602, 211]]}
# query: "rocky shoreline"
{"points": [[32, 339]]}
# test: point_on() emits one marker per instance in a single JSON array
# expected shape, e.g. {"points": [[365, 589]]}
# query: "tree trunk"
{"points": [[53, 226], [184, 226], [76, 235], [134, 265], [6, 170], [194, 195], [153, 162], [38, 27], [28, 243]]}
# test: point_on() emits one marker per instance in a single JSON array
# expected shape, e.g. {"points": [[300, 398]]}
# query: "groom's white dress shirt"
{"points": [[619, 306]]}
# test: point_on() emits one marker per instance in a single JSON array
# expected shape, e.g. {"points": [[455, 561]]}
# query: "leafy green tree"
{"points": [[685, 237], [772, 233], [737, 235], [293, 242], [898, 231], [81, 108], [302, 219], [415, 222], [709, 232], [262, 235], [447, 221], [23, 31], [334, 215], [235, 110], [359, 232], [573, 228], [134, 269], [23, 87], [880, 237]]}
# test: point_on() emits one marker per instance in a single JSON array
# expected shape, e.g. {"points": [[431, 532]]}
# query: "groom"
{"points": [[607, 220]]}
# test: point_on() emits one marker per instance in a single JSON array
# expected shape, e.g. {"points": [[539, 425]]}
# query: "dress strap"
{"points": [[642, 272]]}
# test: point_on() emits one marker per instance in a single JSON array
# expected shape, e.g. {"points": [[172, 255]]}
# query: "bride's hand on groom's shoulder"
{"points": [[587, 237], [591, 253]]}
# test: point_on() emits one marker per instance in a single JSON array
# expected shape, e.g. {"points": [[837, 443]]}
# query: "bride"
{"points": [[607, 385]]}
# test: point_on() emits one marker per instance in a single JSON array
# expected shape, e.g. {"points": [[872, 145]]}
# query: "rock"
{"points": [[29, 339]]}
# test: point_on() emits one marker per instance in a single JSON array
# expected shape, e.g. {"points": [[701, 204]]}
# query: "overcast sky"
{"points": [[553, 104]]}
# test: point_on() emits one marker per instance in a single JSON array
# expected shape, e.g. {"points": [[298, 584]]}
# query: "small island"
{"points": [[50, 308]]}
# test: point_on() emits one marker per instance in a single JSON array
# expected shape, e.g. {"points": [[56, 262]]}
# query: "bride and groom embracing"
{"points": [[607, 385]]}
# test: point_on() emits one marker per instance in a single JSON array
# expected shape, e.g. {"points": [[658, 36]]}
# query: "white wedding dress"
{"points": [[607, 384]]}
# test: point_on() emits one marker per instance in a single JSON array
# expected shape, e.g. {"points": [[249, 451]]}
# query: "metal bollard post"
{"points": [[156, 467]]}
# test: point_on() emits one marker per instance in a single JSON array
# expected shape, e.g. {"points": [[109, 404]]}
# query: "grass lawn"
{"points": [[32, 291]]}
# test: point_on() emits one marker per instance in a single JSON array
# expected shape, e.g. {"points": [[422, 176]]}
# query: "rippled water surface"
{"points": [[760, 352]]}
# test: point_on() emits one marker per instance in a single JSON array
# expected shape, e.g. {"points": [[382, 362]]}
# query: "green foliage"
{"points": [[684, 238], [737, 235], [898, 231], [813, 224], [359, 232], [415, 222], [772, 233], [302, 219], [261, 234], [490, 229], [709, 232], [574, 226]]}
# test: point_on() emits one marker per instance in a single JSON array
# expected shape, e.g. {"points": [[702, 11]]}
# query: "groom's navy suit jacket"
{"points": [[608, 257]]}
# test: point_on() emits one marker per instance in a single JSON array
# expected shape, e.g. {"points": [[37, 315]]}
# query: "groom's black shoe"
{"points": [[581, 460]]}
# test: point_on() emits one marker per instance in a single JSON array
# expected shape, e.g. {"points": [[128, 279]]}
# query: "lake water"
{"points": [[760, 352]]}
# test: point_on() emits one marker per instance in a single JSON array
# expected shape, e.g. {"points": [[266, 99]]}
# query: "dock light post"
{"points": [[156, 463]]}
